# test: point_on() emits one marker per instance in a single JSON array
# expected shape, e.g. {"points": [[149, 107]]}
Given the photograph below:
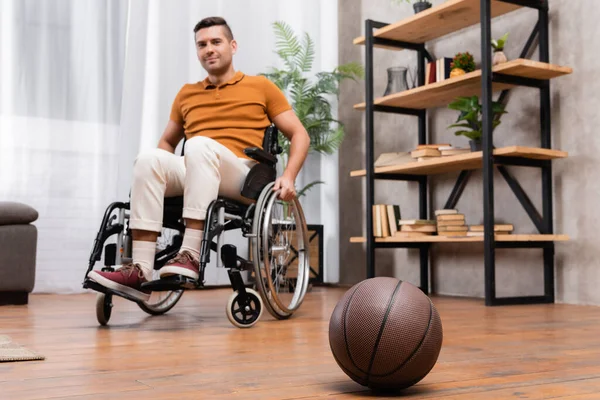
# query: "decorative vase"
{"points": [[499, 57], [475, 145], [421, 6], [457, 72], [396, 81]]}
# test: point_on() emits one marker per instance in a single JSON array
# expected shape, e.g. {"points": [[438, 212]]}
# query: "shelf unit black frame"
{"points": [[542, 222]]}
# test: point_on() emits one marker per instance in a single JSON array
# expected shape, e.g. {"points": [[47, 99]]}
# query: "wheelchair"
{"points": [[278, 266]]}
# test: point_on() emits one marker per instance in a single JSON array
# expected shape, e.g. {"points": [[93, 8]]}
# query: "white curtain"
{"points": [[87, 84], [61, 72]]}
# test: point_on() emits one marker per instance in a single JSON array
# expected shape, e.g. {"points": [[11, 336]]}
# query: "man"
{"points": [[220, 116]]}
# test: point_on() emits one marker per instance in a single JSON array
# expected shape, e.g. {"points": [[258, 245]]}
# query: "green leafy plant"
{"points": [[471, 118], [464, 61], [309, 96], [498, 45]]}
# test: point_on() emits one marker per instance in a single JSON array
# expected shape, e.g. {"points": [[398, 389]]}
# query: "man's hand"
{"points": [[288, 190]]}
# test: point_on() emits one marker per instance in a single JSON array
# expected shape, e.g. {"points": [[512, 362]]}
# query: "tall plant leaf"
{"points": [[308, 95]]}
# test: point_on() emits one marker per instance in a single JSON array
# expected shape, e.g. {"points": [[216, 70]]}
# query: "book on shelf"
{"points": [[452, 233], [385, 219], [416, 222], [443, 68], [415, 228], [445, 211], [437, 146], [455, 222], [453, 228], [450, 217], [499, 229], [455, 151], [427, 152], [438, 70], [427, 228], [430, 73]]}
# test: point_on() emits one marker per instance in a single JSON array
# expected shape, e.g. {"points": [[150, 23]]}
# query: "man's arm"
{"points": [[171, 137], [289, 124]]}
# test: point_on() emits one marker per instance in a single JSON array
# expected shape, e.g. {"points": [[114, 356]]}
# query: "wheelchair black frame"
{"points": [[234, 263]]}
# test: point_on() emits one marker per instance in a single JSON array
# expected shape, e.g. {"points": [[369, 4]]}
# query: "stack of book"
{"points": [[410, 228], [499, 229], [451, 223], [425, 152]]}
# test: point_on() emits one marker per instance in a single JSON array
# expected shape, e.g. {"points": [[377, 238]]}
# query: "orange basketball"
{"points": [[385, 333]]}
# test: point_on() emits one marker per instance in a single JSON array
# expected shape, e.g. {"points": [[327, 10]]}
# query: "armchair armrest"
{"points": [[260, 155], [14, 213]]}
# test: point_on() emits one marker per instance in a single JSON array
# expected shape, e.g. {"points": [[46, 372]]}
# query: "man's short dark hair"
{"points": [[214, 21]]}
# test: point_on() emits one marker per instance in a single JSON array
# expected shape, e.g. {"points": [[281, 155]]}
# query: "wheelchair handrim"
{"points": [[302, 278]]}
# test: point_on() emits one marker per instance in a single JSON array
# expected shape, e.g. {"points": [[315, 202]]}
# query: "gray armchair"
{"points": [[18, 246]]}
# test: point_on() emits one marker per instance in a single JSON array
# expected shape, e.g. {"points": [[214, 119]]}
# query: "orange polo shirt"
{"points": [[235, 113]]}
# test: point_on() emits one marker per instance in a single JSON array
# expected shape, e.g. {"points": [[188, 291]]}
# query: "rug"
{"points": [[10, 351]]}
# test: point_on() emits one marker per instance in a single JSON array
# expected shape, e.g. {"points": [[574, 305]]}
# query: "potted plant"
{"points": [[498, 45], [418, 5], [470, 119], [461, 64], [308, 97]]}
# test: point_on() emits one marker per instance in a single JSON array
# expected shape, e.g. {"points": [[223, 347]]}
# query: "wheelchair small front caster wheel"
{"points": [[103, 308], [244, 314]]}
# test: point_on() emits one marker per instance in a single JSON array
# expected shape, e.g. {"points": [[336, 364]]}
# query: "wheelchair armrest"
{"points": [[260, 155]]}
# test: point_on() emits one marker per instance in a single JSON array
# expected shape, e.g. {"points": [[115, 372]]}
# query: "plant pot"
{"points": [[457, 72], [475, 145], [499, 58], [421, 6]]}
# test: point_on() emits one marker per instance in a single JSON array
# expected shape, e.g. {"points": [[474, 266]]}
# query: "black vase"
{"points": [[475, 145], [421, 6]]}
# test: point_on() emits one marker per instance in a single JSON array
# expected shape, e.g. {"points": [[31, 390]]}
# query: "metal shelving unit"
{"points": [[412, 34]]}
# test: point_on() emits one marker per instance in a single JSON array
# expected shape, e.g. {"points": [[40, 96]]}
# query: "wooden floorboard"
{"points": [[514, 352]]}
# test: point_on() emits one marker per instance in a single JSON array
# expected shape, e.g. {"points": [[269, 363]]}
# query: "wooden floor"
{"points": [[516, 352]]}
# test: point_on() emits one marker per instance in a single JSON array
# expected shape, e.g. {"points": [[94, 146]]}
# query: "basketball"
{"points": [[385, 333]]}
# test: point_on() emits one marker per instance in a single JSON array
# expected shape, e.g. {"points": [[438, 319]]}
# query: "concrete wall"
{"points": [[458, 269]]}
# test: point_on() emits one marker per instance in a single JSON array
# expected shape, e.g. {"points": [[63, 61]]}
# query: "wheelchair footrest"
{"points": [[174, 282], [89, 284]]}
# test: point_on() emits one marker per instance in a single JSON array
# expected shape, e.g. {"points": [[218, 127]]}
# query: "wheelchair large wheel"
{"points": [[280, 253]]}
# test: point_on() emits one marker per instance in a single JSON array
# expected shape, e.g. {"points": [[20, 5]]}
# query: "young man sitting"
{"points": [[220, 117]]}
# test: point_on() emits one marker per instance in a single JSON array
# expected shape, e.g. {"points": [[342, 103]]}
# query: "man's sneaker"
{"points": [[128, 279], [182, 264]]}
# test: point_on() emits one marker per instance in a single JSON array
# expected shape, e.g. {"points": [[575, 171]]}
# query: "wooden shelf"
{"points": [[444, 92], [468, 239], [462, 162], [438, 21]]}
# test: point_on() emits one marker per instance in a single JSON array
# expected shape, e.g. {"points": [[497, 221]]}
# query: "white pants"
{"points": [[207, 170]]}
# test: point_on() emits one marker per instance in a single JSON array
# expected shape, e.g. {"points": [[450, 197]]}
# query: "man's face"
{"points": [[214, 49]]}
